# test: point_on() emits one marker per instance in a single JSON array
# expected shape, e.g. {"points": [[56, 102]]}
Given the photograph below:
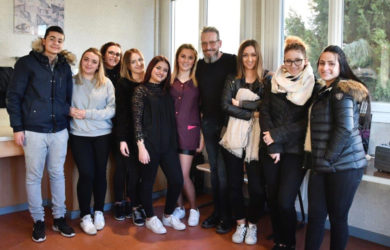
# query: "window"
{"points": [[366, 43], [308, 19], [225, 16], [185, 24]]}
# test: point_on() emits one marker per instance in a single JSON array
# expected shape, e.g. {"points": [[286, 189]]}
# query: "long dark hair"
{"points": [[149, 70], [347, 73]]}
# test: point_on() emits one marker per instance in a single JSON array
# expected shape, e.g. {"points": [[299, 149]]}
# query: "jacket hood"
{"points": [[357, 90], [37, 46]]}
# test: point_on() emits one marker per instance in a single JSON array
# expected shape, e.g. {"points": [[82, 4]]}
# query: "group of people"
{"points": [[273, 126]]}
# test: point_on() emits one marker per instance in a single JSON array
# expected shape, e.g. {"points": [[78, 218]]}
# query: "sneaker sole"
{"points": [[250, 243], [92, 234], [178, 229], [119, 218], [55, 229], [139, 224], [156, 232], [38, 240]]}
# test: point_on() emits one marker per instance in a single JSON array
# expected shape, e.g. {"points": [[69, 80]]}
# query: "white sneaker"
{"points": [[173, 221], [193, 219], [155, 225], [239, 235], [98, 220], [251, 234], [179, 213], [87, 225]]}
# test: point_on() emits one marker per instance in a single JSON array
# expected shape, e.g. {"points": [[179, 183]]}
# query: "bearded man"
{"points": [[211, 73]]}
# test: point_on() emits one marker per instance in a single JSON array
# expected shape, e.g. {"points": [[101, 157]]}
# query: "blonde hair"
{"points": [[295, 43], [125, 72], [259, 60], [99, 74], [176, 66]]}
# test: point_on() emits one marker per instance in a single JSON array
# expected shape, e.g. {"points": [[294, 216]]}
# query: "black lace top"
{"points": [[154, 119]]}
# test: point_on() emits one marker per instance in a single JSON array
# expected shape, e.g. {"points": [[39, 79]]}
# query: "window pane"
{"points": [[185, 24], [308, 19], [225, 16], [366, 44]]}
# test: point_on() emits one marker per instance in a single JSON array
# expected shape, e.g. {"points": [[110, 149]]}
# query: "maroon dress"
{"points": [[186, 98]]}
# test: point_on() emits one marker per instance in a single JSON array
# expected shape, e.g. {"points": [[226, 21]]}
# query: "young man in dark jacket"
{"points": [[38, 102]]}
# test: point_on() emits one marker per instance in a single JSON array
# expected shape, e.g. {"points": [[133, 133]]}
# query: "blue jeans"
{"points": [[211, 132], [49, 148], [330, 194]]}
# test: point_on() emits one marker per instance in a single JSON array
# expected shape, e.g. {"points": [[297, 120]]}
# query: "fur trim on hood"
{"points": [[357, 90], [37, 46]]}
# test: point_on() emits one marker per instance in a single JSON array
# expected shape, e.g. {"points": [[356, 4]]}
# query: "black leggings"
{"points": [[330, 193], [91, 156], [283, 181], [127, 182], [235, 169], [170, 165]]}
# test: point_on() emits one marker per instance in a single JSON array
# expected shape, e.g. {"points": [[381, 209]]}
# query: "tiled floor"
{"points": [[15, 233]]}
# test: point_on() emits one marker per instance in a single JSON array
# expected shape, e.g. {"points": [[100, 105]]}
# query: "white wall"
{"points": [[88, 23]]}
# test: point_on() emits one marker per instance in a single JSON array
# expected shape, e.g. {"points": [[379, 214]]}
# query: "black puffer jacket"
{"points": [[285, 121], [38, 99], [246, 109], [336, 144]]}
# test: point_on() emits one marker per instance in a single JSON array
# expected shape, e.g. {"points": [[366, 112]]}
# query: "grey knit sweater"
{"points": [[99, 104]]}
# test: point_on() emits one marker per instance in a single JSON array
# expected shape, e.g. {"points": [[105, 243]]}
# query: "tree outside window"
{"points": [[308, 19], [366, 43], [365, 39]]}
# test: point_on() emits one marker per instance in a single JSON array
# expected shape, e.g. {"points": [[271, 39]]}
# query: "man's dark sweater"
{"points": [[211, 79]]}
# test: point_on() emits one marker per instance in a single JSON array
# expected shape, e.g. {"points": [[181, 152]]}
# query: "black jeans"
{"points": [[91, 156], [256, 189], [330, 193], [235, 170], [211, 132], [170, 165], [283, 181], [127, 181]]}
